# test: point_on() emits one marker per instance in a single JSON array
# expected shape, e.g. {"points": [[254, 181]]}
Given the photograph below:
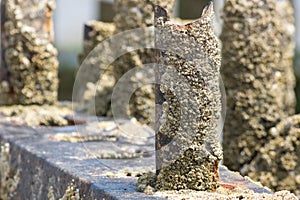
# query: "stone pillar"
{"points": [[277, 165], [94, 33], [98, 88], [137, 14], [287, 31], [258, 76], [130, 15], [133, 14], [260, 140], [28, 58], [188, 100]]}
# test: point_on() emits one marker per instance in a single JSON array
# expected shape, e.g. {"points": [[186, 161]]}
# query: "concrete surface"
{"points": [[40, 167]]}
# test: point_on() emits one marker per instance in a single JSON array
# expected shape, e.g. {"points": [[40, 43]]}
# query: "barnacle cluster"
{"points": [[277, 164], [94, 33], [9, 174], [98, 78], [188, 149], [129, 15], [71, 193], [29, 63], [258, 76], [222, 194], [286, 30], [138, 14], [37, 115]]}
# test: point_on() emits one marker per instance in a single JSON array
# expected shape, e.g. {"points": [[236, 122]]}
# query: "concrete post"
{"points": [[130, 15], [257, 70], [28, 58], [188, 103]]}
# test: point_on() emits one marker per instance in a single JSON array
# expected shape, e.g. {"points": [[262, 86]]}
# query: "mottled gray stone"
{"points": [[43, 168]]}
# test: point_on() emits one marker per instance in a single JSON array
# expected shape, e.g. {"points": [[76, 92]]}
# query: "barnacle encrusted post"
{"points": [[28, 57], [95, 32], [258, 75], [98, 89], [286, 30], [132, 14], [188, 103], [277, 165]]}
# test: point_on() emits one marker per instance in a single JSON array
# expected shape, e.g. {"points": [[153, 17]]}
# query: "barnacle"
{"points": [[130, 14], [258, 76], [29, 57], [188, 149]]}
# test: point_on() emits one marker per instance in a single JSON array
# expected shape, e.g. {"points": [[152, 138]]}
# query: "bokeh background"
{"points": [[70, 16]]}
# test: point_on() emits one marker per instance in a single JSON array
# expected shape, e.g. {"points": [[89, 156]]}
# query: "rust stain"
{"points": [[228, 186], [51, 137], [216, 169], [49, 24]]}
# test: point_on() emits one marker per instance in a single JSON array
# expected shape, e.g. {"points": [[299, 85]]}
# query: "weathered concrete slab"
{"points": [[37, 166], [42, 163]]}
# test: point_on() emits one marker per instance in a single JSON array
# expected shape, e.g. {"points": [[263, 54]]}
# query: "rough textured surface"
{"points": [[98, 88], [222, 194], [232, 186], [136, 14], [35, 166], [28, 71], [188, 149], [94, 33], [33, 115], [9, 174], [285, 13], [277, 164], [130, 15], [72, 193], [39, 167], [259, 81], [133, 139]]}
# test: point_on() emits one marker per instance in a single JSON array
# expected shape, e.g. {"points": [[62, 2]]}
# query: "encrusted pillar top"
{"points": [[188, 102]]}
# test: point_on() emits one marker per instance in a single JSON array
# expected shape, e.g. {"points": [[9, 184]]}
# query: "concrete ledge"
{"points": [[34, 166]]}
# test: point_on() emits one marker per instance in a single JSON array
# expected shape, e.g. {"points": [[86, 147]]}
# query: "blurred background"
{"points": [[70, 16]]}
